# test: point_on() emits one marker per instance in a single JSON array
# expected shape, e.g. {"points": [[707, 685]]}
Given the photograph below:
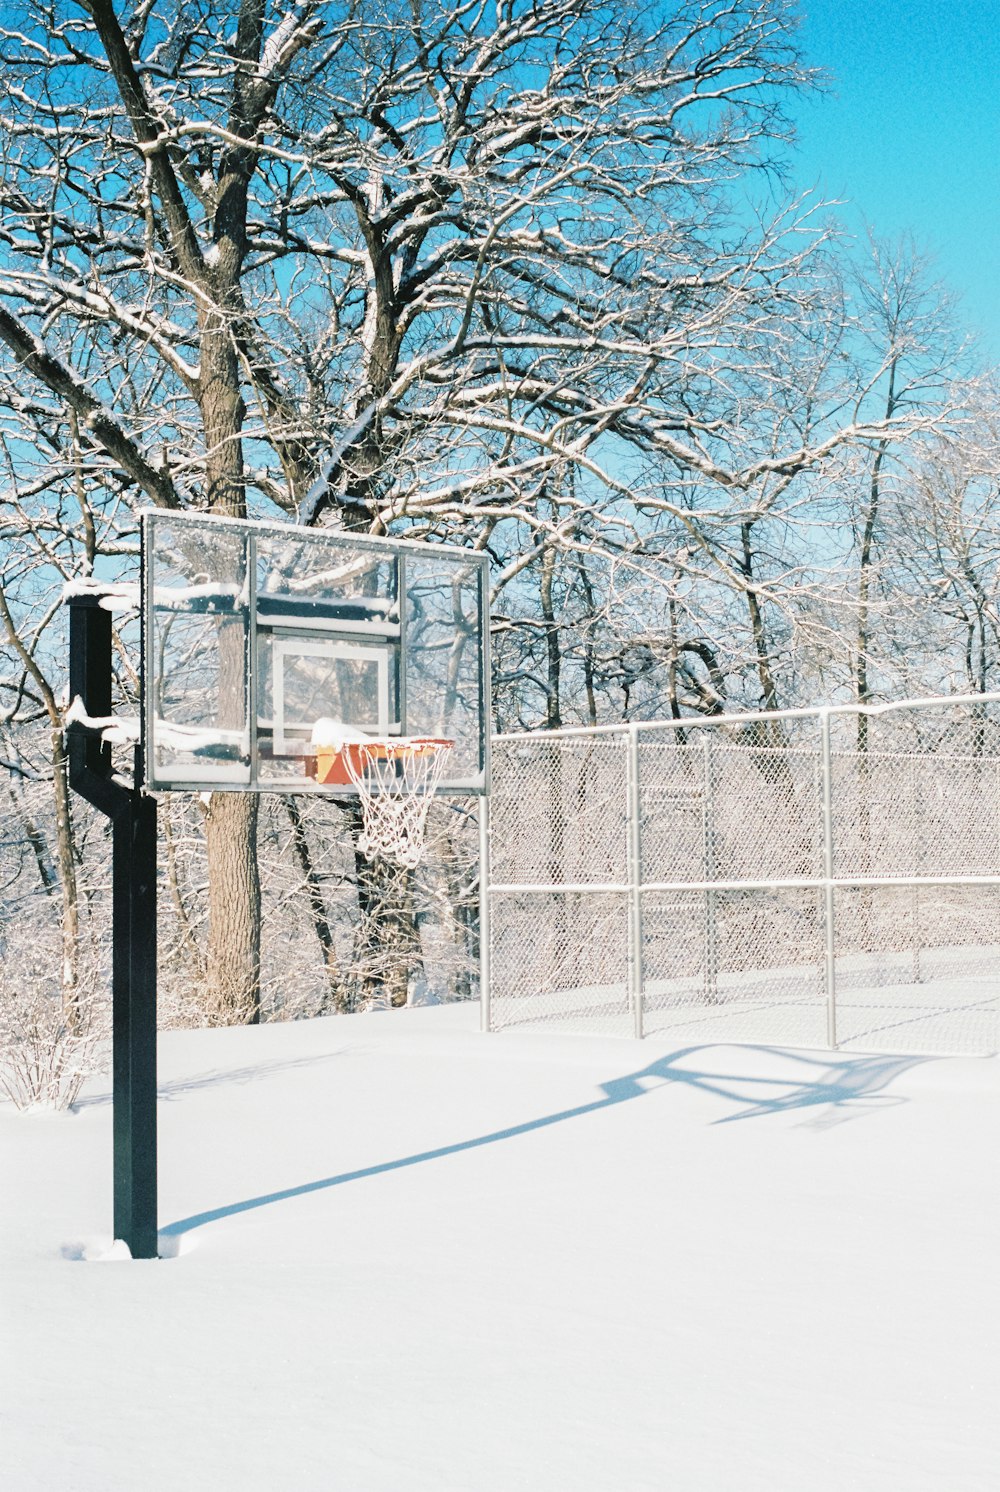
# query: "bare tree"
{"points": [[945, 540], [28, 699], [906, 319], [492, 271]]}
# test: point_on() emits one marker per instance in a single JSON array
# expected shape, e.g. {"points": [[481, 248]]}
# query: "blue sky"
{"points": [[909, 132]]}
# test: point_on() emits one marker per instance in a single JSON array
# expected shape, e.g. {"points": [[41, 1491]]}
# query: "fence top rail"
{"points": [[744, 717], [789, 883]]}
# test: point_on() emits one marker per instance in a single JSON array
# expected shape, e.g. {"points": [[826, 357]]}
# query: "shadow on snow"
{"points": [[177, 1087], [844, 1089]]}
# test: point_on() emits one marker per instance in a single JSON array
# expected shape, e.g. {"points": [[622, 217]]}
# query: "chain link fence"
{"points": [[810, 878]]}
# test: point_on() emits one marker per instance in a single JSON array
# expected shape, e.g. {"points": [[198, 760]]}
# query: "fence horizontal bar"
{"points": [[698, 722], [797, 883], [504, 888]]}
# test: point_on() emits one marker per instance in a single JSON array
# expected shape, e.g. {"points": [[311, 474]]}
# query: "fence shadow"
{"points": [[839, 1088]]}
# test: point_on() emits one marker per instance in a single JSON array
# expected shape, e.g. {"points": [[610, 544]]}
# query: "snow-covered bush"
{"points": [[49, 1044]]}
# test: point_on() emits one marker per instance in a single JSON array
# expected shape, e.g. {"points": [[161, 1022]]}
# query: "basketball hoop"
{"points": [[395, 779]]}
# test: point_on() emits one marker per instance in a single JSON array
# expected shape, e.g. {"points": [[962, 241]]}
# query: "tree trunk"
{"points": [[389, 941], [769, 689], [233, 964], [67, 881], [317, 905], [188, 940], [863, 692], [553, 656], [866, 911]]}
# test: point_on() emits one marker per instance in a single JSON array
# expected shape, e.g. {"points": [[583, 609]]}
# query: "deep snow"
{"points": [[409, 1256]]}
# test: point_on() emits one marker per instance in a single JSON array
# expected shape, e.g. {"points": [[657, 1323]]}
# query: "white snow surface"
{"points": [[404, 1256]]}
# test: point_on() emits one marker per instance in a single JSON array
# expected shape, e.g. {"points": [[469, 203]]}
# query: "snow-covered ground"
{"points": [[954, 1008], [409, 1256]]}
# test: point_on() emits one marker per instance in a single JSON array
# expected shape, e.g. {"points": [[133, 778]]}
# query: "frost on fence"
{"points": [[559, 815], [561, 956], [917, 966], [734, 966], [564, 801], [723, 807], [684, 879]]}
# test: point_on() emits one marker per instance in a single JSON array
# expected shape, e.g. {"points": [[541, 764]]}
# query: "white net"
{"points": [[396, 780]]}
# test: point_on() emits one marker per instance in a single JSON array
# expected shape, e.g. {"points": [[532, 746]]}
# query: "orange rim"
{"points": [[331, 764], [409, 746]]}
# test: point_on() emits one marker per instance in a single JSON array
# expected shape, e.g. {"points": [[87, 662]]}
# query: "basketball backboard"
{"points": [[254, 633]]}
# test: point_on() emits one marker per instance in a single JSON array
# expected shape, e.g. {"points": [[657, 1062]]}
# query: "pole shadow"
{"points": [[849, 1087]]}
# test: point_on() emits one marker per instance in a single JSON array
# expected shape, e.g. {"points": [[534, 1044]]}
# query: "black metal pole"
{"points": [[134, 1025], [133, 959]]}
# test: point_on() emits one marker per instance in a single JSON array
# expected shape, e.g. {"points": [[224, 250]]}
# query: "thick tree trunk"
{"points": [[233, 964], [234, 931]]}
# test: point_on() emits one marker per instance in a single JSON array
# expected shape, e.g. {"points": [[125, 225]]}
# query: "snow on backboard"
{"points": [[253, 632]]}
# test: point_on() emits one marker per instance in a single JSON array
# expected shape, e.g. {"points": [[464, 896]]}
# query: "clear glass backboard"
{"points": [[257, 636]]}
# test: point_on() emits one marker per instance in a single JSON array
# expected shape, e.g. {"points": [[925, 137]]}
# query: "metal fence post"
{"points": [[918, 865], [484, 911], [708, 846], [634, 830], [830, 946]]}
